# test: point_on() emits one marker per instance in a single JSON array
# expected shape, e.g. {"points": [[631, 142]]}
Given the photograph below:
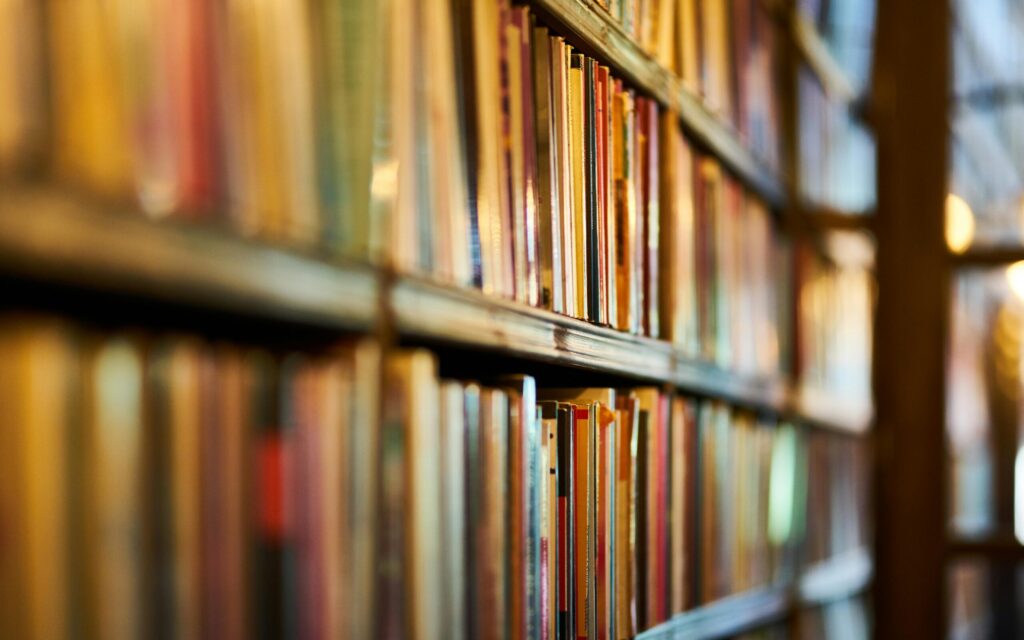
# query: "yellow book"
{"points": [[666, 39], [489, 147], [362, 606], [577, 154], [181, 381], [716, 58], [677, 538], [626, 273], [91, 142], [447, 169], [563, 166], [414, 375], [517, 166], [678, 297], [688, 49], [21, 83], [291, 41]]}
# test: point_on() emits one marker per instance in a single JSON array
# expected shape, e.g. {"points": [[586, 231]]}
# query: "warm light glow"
{"points": [[1015, 276], [959, 224], [782, 486]]}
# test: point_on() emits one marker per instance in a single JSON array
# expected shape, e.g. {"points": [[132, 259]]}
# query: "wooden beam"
{"points": [[910, 91]]}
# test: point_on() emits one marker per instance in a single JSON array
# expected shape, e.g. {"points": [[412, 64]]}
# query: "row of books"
{"points": [[487, 152], [837, 153], [747, 525], [173, 486], [166, 487], [836, 310], [724, 50]]}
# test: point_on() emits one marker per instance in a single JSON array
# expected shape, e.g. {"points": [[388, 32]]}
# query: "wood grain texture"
{"points": [[51, 236]]}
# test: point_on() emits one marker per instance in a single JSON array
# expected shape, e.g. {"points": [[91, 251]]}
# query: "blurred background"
{"points": [[287, 285]]}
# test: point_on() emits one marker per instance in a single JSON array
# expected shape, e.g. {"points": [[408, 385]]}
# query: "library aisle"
{"points": [[548, 319]]}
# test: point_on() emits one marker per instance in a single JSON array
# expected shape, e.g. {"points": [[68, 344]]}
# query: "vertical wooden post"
{"points": [[909, 107]]}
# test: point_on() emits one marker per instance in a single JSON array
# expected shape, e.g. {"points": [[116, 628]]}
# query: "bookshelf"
{"points": [[74, 240], [54, 235]]}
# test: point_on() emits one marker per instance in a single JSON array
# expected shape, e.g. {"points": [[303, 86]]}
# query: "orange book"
{"points": [[38, 367]]}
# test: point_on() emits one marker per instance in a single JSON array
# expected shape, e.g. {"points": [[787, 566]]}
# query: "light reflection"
{"points": [[1015, 278], [781, 487], [959, 224]]}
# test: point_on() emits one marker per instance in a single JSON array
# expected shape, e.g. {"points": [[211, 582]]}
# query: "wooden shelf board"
{"points": [[49, 235], [468, 317], [726, 617], [845, 575], [602, 36], [834, 414], [817, 55], [53, 236], [703, 379], [1002, 547], [829, 219]]}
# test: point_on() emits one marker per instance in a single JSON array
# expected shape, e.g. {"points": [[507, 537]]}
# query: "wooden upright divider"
{"points": [[910, 102]]}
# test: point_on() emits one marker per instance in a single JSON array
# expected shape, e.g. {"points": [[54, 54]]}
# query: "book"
{"points": [[454, 507], [111, 500], [39, 371], [412, 494]]}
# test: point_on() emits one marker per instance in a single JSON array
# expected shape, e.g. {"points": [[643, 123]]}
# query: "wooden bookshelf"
{"points": [[602, 36], [75, 241], [52, 236]]}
